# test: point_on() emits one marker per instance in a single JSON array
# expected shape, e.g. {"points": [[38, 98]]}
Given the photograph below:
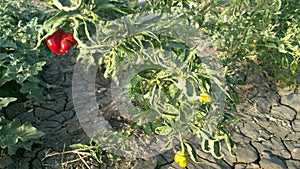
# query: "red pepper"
{"points": [[60, 42]]}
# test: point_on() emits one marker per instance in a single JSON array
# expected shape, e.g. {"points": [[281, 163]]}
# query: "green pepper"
{"points": [[146, 129]]}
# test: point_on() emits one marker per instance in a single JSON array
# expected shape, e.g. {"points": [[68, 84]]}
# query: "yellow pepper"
{"points": [[181, 159], [205, 98]]}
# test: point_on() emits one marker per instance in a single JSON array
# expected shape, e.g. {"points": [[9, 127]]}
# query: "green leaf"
{"points": [[113, 157], [87, 58], [15, 135], [191, 151], [230, 144], [33, 91], [186, 113], [216, 149], [293, 66], [133, 125], [136, 70], [139, 115], [205, 145], [50, 26], [271, 45], [79, 146], [285, 62], [72, 5], [170, 109], [158, 100], [281, 48], [163, 130], [6, 100], [97, 154], [146, 128], [190, 88], [278, 4], [154, 124], [9, 44]]}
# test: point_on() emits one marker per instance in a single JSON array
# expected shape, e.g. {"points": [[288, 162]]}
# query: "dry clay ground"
{"points": [[267, 136]]}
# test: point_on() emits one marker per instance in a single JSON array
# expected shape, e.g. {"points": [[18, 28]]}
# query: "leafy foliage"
{"points": [[19, 70], [264, 33], [19, 63], [96, 151], [14, 135]]}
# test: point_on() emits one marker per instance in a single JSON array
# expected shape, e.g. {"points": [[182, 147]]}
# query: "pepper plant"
{"points": [[172, 76], [174, 87], [175, 91]]}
